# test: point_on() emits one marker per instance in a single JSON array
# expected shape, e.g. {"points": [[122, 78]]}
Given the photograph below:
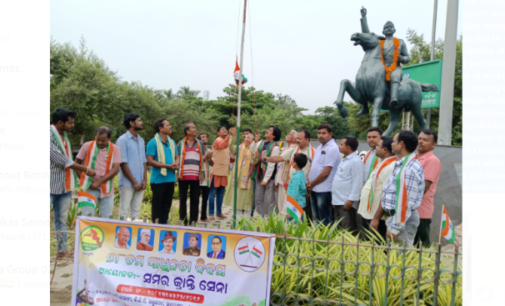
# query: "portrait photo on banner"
{"points": [[145, 239], [192, 244], [168, 242], [123, 238], [216, 247]]}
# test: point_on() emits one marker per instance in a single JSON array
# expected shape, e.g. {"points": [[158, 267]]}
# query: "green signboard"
{"points": [[427, 72]]}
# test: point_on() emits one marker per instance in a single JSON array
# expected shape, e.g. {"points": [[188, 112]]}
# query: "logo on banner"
{"points": [[92, 238], [249, 254]]}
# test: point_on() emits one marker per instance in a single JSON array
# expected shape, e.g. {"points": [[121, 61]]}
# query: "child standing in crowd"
{"points": [[295, 200]]}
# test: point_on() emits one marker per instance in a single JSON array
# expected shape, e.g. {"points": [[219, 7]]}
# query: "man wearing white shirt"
{"points": [[323, 169], [347, 184], [369, 202]]}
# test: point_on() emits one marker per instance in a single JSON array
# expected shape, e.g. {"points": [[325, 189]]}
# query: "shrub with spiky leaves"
{"points": [[294, 278]]}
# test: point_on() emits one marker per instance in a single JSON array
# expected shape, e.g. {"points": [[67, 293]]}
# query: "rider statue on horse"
{"points": [[380, 81], [393, 53]]}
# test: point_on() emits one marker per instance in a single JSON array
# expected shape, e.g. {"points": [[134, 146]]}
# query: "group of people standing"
{"points": [[392, 189]]}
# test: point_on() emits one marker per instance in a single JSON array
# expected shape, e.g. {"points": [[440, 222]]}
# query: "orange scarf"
{"points": [[396, 42]]}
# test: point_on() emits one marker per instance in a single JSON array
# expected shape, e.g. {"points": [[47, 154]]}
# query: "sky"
{"points": [[298, 48]]}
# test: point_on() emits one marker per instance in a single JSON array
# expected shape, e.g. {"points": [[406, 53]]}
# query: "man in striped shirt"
{"points": [[404, 144], [189, 173], [61, 161]]}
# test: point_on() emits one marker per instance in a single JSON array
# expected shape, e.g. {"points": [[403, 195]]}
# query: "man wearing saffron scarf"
{"points": [[245, 190], [395, 53], [370, 201], [403, 192], [219, 172], [104, 157], [163, 157], [190, 173], [63, 176], [264, 174]]}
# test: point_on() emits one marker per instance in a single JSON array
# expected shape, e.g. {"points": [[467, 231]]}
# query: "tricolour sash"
{"points": [[71, 179], [373, 164], [257, 170], [90, 162], [386, 162], [401, 191]]}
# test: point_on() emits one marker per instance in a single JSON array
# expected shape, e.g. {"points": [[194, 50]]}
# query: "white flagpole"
{"points": [[241, 66]]}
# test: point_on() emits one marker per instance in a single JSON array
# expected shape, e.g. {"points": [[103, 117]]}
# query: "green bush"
{"points": [[298, 278]]}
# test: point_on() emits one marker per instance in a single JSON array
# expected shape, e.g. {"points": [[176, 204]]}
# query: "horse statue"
{"points": [[372, 87]]}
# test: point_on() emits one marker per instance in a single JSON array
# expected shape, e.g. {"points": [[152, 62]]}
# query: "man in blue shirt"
{"points": [[347, 184], [133, 173], [163, 157]]}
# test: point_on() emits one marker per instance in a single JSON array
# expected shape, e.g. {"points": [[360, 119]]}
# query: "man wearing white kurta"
{"points": [[380, 175], [282, 169]]}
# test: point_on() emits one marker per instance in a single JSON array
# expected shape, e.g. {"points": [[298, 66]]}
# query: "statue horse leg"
{"points": [[377, 105], [418, 114], [346, 86], [394, 117]]}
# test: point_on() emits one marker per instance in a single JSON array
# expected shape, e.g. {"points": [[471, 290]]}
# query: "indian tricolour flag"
{"points": [[447, 228], [86, 199], [293, 208], [243, 249], [256, 252]]}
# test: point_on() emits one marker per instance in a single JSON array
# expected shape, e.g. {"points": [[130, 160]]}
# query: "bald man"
{"points": [[122, 238]]}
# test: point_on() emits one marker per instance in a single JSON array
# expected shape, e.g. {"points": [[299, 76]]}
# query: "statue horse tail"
{"points": [[429, 87]]}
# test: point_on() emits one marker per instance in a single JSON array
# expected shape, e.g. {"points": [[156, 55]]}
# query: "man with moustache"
{"points": [[282, 172], [133, 173], [63, 173], [105, 161], [427, 140], [373, 135], [324, 166], [370, 200], [403, 191], [163, 157], [303, 147]]}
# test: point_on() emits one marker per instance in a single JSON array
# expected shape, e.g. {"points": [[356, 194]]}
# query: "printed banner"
{"points": [[130, 263]]}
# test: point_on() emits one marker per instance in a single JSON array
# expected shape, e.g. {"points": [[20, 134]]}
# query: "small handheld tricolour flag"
{"points": [[236, 74], [447, 228], [293, 208], [86, 199]]}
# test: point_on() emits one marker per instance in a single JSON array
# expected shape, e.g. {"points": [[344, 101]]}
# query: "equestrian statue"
{"points": [[380, 78]]}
